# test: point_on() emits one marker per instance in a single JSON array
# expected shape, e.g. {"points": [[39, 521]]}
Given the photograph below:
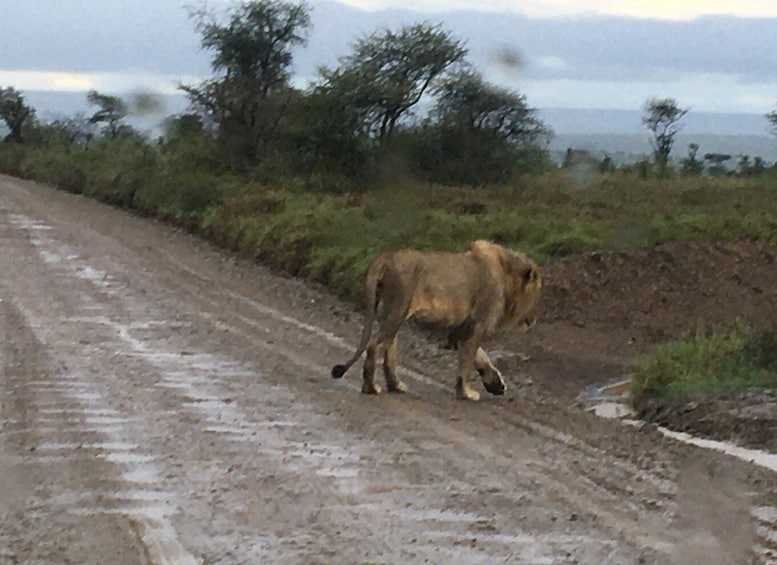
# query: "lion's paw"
{"points": [[467, 393], [370, 388], [398, 387]]}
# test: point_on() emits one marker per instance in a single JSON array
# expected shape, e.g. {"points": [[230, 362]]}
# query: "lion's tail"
{"points": [[374, 275]]}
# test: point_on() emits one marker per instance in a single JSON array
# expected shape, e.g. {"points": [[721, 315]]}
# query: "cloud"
{"points": [[118, 82], [656, 9], [46, 80]]}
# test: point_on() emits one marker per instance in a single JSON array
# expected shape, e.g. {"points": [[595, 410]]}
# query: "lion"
{"points": [[472, 294]]}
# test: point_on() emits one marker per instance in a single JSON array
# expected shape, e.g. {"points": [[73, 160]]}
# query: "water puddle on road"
{"points": [[610, 401]]}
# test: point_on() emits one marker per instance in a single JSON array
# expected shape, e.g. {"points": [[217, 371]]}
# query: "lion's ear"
{"points": [[530, 273]]}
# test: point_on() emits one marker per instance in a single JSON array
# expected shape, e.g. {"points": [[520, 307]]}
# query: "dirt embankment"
{"points": [[600, 310]]}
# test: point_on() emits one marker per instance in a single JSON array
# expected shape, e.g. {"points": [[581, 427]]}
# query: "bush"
{"points": [[703, 366], [56, 167], [12, 156], [117, 169]]}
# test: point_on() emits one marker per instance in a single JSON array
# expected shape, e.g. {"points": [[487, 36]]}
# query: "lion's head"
{"points": [[526, 291], [522, 279]]}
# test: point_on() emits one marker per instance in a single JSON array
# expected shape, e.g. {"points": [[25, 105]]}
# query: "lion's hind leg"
{"points": [[383, 342], [369, 386], [393, 383], [467, 351]]}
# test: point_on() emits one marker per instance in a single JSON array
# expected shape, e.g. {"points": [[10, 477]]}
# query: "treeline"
{"points": [[404, 102]]}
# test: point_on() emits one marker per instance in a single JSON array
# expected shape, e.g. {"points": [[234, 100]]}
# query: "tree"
{"points": [[75, 129], [691, 165], [111, 111], [717, 162], [331, 130], [484, 133], [252, 56], [468, 103], [389, 72], [772, 118], [15, 113], [662, 117]]}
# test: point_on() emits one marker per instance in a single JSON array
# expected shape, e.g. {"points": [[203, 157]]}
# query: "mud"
{"points": [[162, 402], [749, 420]]}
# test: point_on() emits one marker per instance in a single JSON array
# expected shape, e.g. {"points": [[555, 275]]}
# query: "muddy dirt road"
{"points": [[163, 403]]}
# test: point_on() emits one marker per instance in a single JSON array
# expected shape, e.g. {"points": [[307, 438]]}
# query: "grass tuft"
{"points": [[706, 366]]}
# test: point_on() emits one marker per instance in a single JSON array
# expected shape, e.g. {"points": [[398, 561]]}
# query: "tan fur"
{"points": [[474, 293]]}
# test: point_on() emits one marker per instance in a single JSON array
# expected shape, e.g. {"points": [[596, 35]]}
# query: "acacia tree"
{"points": [[772, 117], [252, 56], [15, 113], [389, 72], [111, 111], [662, 117]]}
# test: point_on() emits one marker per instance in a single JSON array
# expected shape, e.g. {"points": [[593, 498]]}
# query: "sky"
{"points": [[711, 55], [663, 9]]}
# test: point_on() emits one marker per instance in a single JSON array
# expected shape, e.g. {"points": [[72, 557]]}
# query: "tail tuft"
{"points": [[338, 371]]}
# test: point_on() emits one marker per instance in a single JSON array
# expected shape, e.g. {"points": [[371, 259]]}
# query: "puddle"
{"points": [[125, 457], [114, 445], [112, 421], [141, 474], [756, 456], [612, 410], [139, 495], [230, 430], [100, 412], [50, 258], [338, 472], [86, 397], [422, 514], [610, 401]]}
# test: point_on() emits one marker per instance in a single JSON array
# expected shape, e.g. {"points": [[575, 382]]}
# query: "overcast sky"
{"points": [[662, 9], [712, 55]]}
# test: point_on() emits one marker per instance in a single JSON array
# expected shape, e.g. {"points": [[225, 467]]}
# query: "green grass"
{"points": [[705, 367], [329, 235]]}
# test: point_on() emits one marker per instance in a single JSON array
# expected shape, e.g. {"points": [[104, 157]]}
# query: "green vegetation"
{"points": [[308, 231], [707, 366]]}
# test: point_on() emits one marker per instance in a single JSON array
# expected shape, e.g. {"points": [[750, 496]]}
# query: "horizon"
{"points": [[638, 9]]}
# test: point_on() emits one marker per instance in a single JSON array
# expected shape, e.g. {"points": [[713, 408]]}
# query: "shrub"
{"points": [[706, 365]]}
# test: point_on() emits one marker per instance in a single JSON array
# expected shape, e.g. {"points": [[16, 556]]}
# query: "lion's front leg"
{"points": [[464, 390], [491, 376]]}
